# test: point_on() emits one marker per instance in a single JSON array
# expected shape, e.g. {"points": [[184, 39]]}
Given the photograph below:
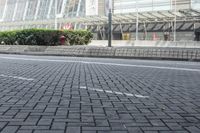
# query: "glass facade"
{"points": [[75, 8], [127, 6], [9, 10], [43, 9], [60, 4], [195, 4], [2, 7], [20, 9], [31, 10], [17, 10]]}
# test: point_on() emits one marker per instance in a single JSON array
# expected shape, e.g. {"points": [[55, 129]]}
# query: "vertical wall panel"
{"points": [[10, 10], [31, 9], [20, 10], [195, 4], [43, 9], [2, 7]]}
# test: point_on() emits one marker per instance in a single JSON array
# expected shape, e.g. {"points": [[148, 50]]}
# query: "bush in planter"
{"points": [[38, 37], [80, 37], [44, 37], [8, 37]]}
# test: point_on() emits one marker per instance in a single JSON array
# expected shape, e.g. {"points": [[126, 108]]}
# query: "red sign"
{"points": [[68, 27]]}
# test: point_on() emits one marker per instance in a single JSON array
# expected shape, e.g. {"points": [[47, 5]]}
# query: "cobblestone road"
{"points": [[89, 95]]}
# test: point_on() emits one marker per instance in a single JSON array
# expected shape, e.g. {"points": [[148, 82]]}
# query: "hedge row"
{"points": [[44, 37]]}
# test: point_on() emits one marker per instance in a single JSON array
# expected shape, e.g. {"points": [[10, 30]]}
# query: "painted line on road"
{"points": [[143, 66], [16, 77], [114, 92], [102, 63]]}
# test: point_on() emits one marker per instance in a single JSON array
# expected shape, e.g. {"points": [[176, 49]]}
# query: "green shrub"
{"points": [[78, 37], [44, 37], [8, 37]]}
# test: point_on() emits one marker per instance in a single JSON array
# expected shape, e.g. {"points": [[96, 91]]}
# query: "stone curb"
{"points": [[191, 54]]}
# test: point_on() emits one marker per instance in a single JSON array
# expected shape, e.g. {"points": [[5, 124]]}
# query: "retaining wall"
{"points": [[140, 43], [114, 52]]}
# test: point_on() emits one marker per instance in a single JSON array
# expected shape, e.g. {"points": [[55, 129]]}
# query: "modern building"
{"points": [[132, 19]]}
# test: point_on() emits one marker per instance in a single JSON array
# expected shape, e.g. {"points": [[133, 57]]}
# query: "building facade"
{"points": [[147, 19]]}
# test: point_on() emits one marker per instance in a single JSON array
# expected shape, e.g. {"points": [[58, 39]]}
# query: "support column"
{"points": [[50, 8], [15, 10], [137, 21], [37, 10], [77, 13], [78, 9], [56, 9], [121, 29], [175, 10], [4, 11], [26, 9], [110, 28], [63, 7]]}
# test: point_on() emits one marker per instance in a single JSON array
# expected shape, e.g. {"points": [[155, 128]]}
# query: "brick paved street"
{"points": [[88, 95]]}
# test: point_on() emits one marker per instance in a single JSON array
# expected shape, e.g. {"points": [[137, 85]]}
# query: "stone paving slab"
{"points": [[93, 98]]}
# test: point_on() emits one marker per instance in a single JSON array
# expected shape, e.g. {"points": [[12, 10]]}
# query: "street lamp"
{"points": [[110, 24], [137, 21], [175, 19], [110, 28]]}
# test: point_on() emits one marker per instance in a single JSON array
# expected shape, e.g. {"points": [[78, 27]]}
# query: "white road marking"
{"points": [[118, 93], [114, 92], [140, 96], [108, 91], [129, 94], [102, 63], [143, 66], [83, 87], [93, 89], [16, 77]]}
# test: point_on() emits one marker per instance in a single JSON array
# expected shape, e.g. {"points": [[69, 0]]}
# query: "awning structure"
{"points": [[188, 15]]}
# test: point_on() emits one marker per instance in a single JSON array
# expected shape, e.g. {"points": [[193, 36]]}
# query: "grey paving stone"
{"points": [[193, 129], [25, 131], [2, 125], [58, 126], [48, 131], [89, 131], [10, 129], [45, 122], [73, 130], [34, 127], [82, 97]]}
